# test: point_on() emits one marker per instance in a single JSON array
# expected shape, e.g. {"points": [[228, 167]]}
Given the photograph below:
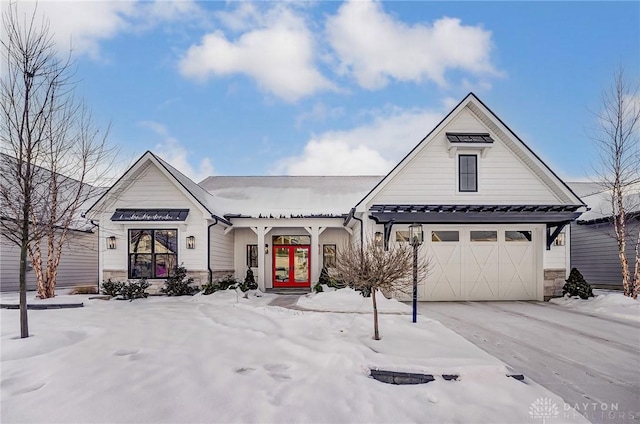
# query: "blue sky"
{"points": [[233, 88]]}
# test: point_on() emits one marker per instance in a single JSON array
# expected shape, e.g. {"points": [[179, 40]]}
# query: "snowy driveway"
{"points": [[592, 362]]}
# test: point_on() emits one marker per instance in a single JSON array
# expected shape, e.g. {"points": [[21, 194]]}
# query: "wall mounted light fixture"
{"points": [[191, 242], [111, 242], [266, 249], [377, 239]]}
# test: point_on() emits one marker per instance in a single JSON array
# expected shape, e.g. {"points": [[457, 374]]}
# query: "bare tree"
{"points": [[52, 154], [618, 136], [371, 268]]}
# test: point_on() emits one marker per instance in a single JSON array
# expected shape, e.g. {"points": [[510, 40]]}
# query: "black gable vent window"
{"points": [[468, 173]]}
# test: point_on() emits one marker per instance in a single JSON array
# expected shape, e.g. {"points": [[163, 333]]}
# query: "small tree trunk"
{"points": [[35, 254], [636, 273], [621, 232], [376, 334], [24, 325]]}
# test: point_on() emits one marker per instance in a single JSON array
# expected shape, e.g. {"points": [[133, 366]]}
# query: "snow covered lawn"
{"points": [[605, 302], [222, 358]]}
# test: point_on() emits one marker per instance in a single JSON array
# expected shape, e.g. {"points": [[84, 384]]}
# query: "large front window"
{"points": [[152, 253]]}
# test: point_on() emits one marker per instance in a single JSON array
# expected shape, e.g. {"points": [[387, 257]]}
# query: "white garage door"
{"points": [[481, 263]]}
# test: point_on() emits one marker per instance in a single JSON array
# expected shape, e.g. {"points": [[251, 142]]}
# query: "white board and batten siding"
{"points": [[431, 177], [221, 248], [78, 263], [152, 189], [466, 270], [475, 270]]}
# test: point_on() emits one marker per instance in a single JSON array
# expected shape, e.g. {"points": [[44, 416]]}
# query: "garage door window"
{"points": [[443, 236], [524, 236], [402, 236], [480, 236]]}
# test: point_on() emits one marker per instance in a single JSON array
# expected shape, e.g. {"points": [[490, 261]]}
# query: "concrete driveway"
{"points": [[592, 362]]}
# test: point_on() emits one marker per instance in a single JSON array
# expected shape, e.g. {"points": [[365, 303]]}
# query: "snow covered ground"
{"points": [[590, 360], [605, 302], [222, 358]]}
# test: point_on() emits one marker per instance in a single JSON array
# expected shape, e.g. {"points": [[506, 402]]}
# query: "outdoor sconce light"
{"points": [[377, 239], [266, 249], [111, 242], [191, 242], [416, 238]]}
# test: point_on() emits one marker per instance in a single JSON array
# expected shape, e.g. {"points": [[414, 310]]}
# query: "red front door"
{"points": [[291, 266]]}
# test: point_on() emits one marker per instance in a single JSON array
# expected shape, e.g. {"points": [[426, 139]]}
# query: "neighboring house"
{"points": [[79, 258], [78, 262], [594, 250], [491, 212]]}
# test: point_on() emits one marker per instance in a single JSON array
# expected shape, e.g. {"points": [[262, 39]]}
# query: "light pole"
{"points": [[416, 237]]}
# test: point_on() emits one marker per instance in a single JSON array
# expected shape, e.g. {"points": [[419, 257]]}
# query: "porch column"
{"points": [[315, 252], [261, 232]]}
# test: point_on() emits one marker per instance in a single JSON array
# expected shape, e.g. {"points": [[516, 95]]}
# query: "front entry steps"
{"points": [[298, 291]]}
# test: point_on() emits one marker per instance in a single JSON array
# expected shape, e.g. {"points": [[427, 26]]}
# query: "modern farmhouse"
{"points": [[493, 213]]}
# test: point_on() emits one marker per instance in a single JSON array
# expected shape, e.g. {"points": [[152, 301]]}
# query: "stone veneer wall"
{"points": [[554, 279]]}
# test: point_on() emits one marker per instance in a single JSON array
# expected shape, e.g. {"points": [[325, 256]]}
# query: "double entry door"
{"points": [[291, 266]]}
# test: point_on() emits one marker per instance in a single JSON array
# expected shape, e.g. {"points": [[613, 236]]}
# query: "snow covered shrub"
{"points": [[324, 276], [111, 288], [249, 282], [210, 288], [577, 286], [134, 289], [178, 284], [228, 283], [318, 288]]}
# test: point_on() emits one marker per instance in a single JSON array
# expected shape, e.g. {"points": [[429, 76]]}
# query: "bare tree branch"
{"points": [[373, 269], [617, 137], [52, 154]]}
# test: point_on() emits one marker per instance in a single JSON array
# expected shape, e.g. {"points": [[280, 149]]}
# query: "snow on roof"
{"points": [[585, 188], [600, 204], [288, 195]]}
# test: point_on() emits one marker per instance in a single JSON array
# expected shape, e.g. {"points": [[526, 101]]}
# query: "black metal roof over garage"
{"points": [[476, 214]]}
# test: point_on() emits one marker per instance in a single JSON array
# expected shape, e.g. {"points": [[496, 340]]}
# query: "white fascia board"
{"points": [[206, 214], [480, 108], [363, 205], [287, 222]]}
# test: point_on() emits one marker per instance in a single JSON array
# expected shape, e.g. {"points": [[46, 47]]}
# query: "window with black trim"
{"points": [[467, 173], [152, 253], [252, 255], [328, 255]]}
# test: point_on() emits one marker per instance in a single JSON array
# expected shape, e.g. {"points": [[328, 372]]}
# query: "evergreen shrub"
{"points": [[577, 286], [112, 288], [178, 284], [134, 289]]}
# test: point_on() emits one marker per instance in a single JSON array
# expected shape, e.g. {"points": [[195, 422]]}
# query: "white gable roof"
{"points": [[199, 196], [557, 190]]}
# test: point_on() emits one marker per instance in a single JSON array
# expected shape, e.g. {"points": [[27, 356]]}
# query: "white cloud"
{"points": [[374, 46], [319, 113], [82, 25], [278, 53], [370, 149], [176, 154]]}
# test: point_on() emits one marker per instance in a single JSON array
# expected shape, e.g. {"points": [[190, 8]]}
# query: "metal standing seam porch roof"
{"points": [[477, 214]]}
